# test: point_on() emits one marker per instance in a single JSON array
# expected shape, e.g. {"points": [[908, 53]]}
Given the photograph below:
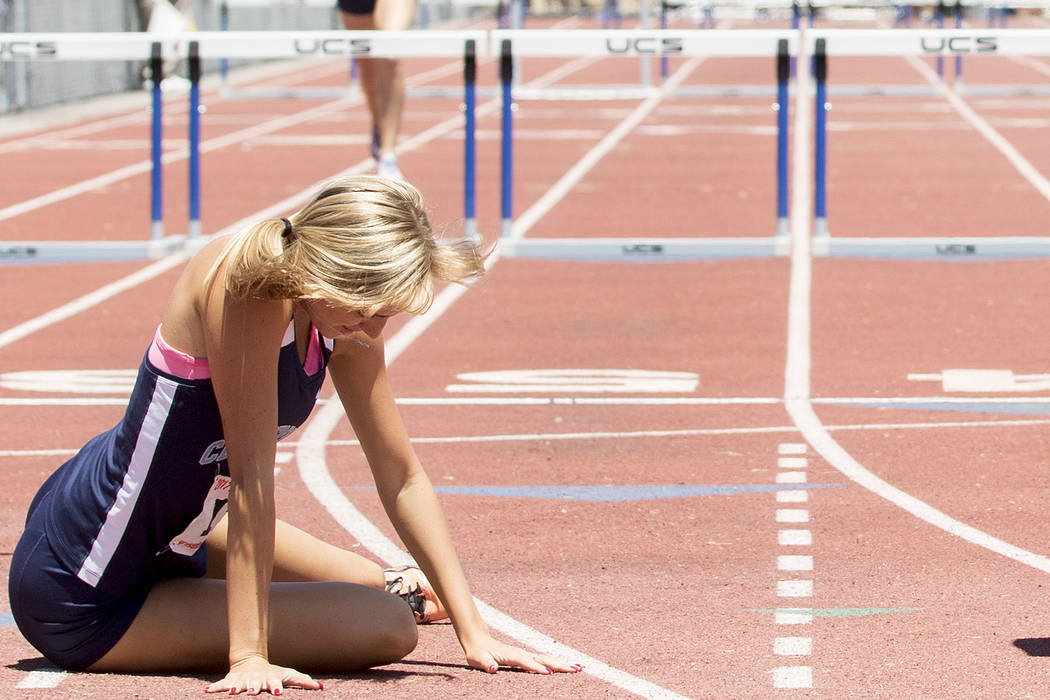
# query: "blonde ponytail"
{"points": [[362, 243]]}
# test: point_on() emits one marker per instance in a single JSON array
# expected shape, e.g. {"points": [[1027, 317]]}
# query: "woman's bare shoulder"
{"points": [[183, 323]]}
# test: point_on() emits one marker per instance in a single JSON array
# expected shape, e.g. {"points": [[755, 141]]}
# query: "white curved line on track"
{"points": [[313, 468], [797, 371]]}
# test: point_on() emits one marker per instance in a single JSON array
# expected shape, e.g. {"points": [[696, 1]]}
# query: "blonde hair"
{"points": [[362, 243]]}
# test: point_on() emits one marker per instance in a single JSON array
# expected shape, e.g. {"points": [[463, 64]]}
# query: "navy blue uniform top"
{"points": [[136, 503]]}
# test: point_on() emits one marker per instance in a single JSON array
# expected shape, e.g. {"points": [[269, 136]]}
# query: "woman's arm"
{"points": [[243, 338], [359, 374]]}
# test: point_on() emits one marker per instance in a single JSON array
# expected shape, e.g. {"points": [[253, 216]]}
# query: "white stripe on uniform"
{"points": [[112, 531]]}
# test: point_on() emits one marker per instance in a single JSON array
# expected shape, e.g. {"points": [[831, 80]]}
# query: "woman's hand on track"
{"points": [[253, 676], [489, 657]]}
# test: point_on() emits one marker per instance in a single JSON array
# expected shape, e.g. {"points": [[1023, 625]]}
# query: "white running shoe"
{"points": [[387, 166]]}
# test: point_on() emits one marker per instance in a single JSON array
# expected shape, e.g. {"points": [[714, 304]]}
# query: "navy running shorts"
{"points": [[68, 621], [357, 7]]}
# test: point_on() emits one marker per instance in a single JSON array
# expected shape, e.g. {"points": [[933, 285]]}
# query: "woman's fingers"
{"points": [[253, 681], [557, 665], [499, 654]]}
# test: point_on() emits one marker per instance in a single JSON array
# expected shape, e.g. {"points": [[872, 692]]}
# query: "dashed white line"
{"points": [[793, 677], [792, 515], [794, 538], [793, 646], [793, 616], [792, 448], [793, 588], [794, 562], [792, 496]]}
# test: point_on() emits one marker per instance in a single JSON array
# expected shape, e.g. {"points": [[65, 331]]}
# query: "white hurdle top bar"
{"points": [[362, 44], [83, 46], [930, 42], [641, 42]]}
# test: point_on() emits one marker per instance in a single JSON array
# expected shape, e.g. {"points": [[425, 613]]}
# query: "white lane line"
{"points": [[1032, 63], [91, 299], [233, 138], [946, 424], [42, 678], [796, 368], [145, 166], [1027, 170], [573, 176], [962, 403], [547, 437], [798, 365], [836, 456]]}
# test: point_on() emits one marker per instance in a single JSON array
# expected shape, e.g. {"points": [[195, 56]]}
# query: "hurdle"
{"points": [[823, 44], [196, 47], [777, 45], [126, 46]]}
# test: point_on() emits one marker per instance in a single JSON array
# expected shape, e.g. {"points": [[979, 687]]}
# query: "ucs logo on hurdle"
{"points": [[959, 44], [334, 47], [27, 49], [644, 45]]}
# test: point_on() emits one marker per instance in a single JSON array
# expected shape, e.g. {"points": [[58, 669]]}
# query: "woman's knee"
{"points": [[399, 635]]}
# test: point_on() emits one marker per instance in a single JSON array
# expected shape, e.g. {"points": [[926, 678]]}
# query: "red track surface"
{"points": [[662, 595]]}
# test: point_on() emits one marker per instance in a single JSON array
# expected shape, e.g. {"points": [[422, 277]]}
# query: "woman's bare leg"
{"points": [[299, 556], [382, 79], [313, 626]]}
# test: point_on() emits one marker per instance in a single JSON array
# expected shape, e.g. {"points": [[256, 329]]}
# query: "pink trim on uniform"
{"points": [[181, 364], [172, 361], [313, 353]]}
